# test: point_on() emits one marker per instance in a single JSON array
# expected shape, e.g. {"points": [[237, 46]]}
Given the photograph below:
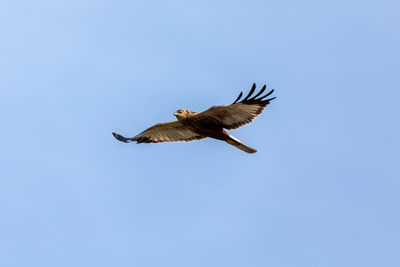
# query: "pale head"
{"points": [[181, 114]]}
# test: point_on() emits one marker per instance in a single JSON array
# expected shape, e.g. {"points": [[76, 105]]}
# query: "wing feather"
{"points": [[238, 113], [237, 99], [173, 131]]}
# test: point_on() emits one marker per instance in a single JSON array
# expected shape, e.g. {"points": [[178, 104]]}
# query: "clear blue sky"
{"points": [[322, 191]]}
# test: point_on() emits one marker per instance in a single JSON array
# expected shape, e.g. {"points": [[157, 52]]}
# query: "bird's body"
{"points": [[204, 129], [212, 123]]}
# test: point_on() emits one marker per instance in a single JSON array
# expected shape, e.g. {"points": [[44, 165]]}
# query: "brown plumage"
{"points": [[212, 122]]}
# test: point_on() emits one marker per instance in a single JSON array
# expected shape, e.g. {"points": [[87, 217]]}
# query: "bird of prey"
{"points": [[191, 126]]}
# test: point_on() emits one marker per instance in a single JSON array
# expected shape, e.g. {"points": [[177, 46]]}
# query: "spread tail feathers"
{"points": [[234, 142]]}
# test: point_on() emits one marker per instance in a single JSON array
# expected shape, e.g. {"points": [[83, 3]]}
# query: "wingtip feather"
{"points": [[253, 88], [237, 99], [121, 138]]}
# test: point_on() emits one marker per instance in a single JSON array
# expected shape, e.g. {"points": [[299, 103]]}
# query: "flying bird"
{"points": [[191, 126]]}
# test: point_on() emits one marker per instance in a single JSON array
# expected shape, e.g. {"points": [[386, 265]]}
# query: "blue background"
{"points": [[323, 190]]}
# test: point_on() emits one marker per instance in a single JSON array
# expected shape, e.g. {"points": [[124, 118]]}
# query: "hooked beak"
{"points": [[176, 113]]}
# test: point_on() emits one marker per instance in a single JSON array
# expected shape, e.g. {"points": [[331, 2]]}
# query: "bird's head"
{"points": [[181, 114]]}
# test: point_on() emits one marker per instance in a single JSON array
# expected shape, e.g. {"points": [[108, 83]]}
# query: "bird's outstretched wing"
{"points": [[173, 131], [238, 113]]}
